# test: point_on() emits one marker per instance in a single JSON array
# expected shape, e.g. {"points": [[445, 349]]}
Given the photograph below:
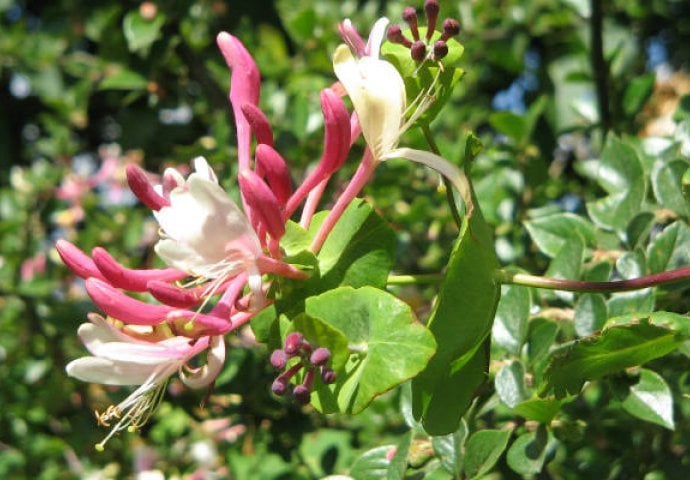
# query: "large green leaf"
{"points": [[387, 345], [512, 316], [621, 175], [666, 182], [615, 349], [651, 400], [461, 323], [482, 451], [551, 232]]}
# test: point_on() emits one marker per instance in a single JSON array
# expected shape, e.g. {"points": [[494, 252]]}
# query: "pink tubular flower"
{"points": [[119, 358]]}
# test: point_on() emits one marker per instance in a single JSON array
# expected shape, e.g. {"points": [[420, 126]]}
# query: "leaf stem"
{"points": [[450, 198], [647, 281], [418, 279]]}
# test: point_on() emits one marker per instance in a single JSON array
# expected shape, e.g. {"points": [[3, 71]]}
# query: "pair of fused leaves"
{"points": [[375, 339]]}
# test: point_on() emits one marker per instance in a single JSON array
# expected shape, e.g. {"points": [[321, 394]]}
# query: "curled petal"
{"points": [[263, 202], [258, 123], [244, 88], [77, 261], [272, 164], [141, 187], [376, 35], [215, 358], [108, 372], [129, 279], [352, 37]]}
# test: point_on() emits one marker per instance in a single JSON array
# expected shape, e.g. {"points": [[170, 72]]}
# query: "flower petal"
{"points": [[108, 372]]}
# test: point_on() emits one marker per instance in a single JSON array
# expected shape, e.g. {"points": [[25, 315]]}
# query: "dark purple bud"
{"points": [[431, 8], [293, 343], [418, 51], [302, 394], [279, 387], [440, 49], [410, 17], [395, 35], [320, 356], [327, 376], [279, 359], [451, 28]]}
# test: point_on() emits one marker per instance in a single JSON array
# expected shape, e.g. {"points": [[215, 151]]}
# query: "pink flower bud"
{"points": [[129, 279], [320, 356], [352, 37], [410, 16], [77, 261], [263, 203], [328, 376], [142, 188], [431, 8], [245, 84], [279, 387], [279, 359], [418, 51], [302, 394], [174, 296], [395, 35], [293, 343], [258, 123], [270, 163]]}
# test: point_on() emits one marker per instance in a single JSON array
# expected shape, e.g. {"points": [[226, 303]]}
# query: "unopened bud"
{"points": [[410, 16], [395, 35], [293, 343], [320, 356], [418, 51], [431, 8], [451, 28], [279, 359], [279, 387], [302, 394], [440, 49], [327, 376]]}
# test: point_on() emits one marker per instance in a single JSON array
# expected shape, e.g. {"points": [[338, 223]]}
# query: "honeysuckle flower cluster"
{"points": [[221, 257]]}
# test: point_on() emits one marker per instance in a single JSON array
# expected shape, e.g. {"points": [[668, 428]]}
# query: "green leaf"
{"points": [[123, 79], [621, 175], [541, 336], [670, 249], [140, 33], [590, 314], [511, 125], [373, 464], [387, 345], [512, 316], [510, 384], [450, 449], [637, 93], [461, 322], [550, 232], [528, 453], [651, 400], [631, 265], [615, 349], [667, 186], [398, 465], [541, 410], [483, 450]]}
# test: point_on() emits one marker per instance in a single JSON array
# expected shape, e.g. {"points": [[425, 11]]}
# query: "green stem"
{"points": [[418, 279], [647, 281], [449, 187]]}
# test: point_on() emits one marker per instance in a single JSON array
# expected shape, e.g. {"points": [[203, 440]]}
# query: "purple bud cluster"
{"points": [[419, 47], [311, 359]]}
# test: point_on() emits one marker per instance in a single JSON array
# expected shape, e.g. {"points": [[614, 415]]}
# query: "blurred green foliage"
{"points": [[86, 87]]}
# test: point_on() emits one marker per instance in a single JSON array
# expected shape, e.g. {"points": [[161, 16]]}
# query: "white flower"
{"points": [[379, 98], [122, 359], [204, 232]]}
